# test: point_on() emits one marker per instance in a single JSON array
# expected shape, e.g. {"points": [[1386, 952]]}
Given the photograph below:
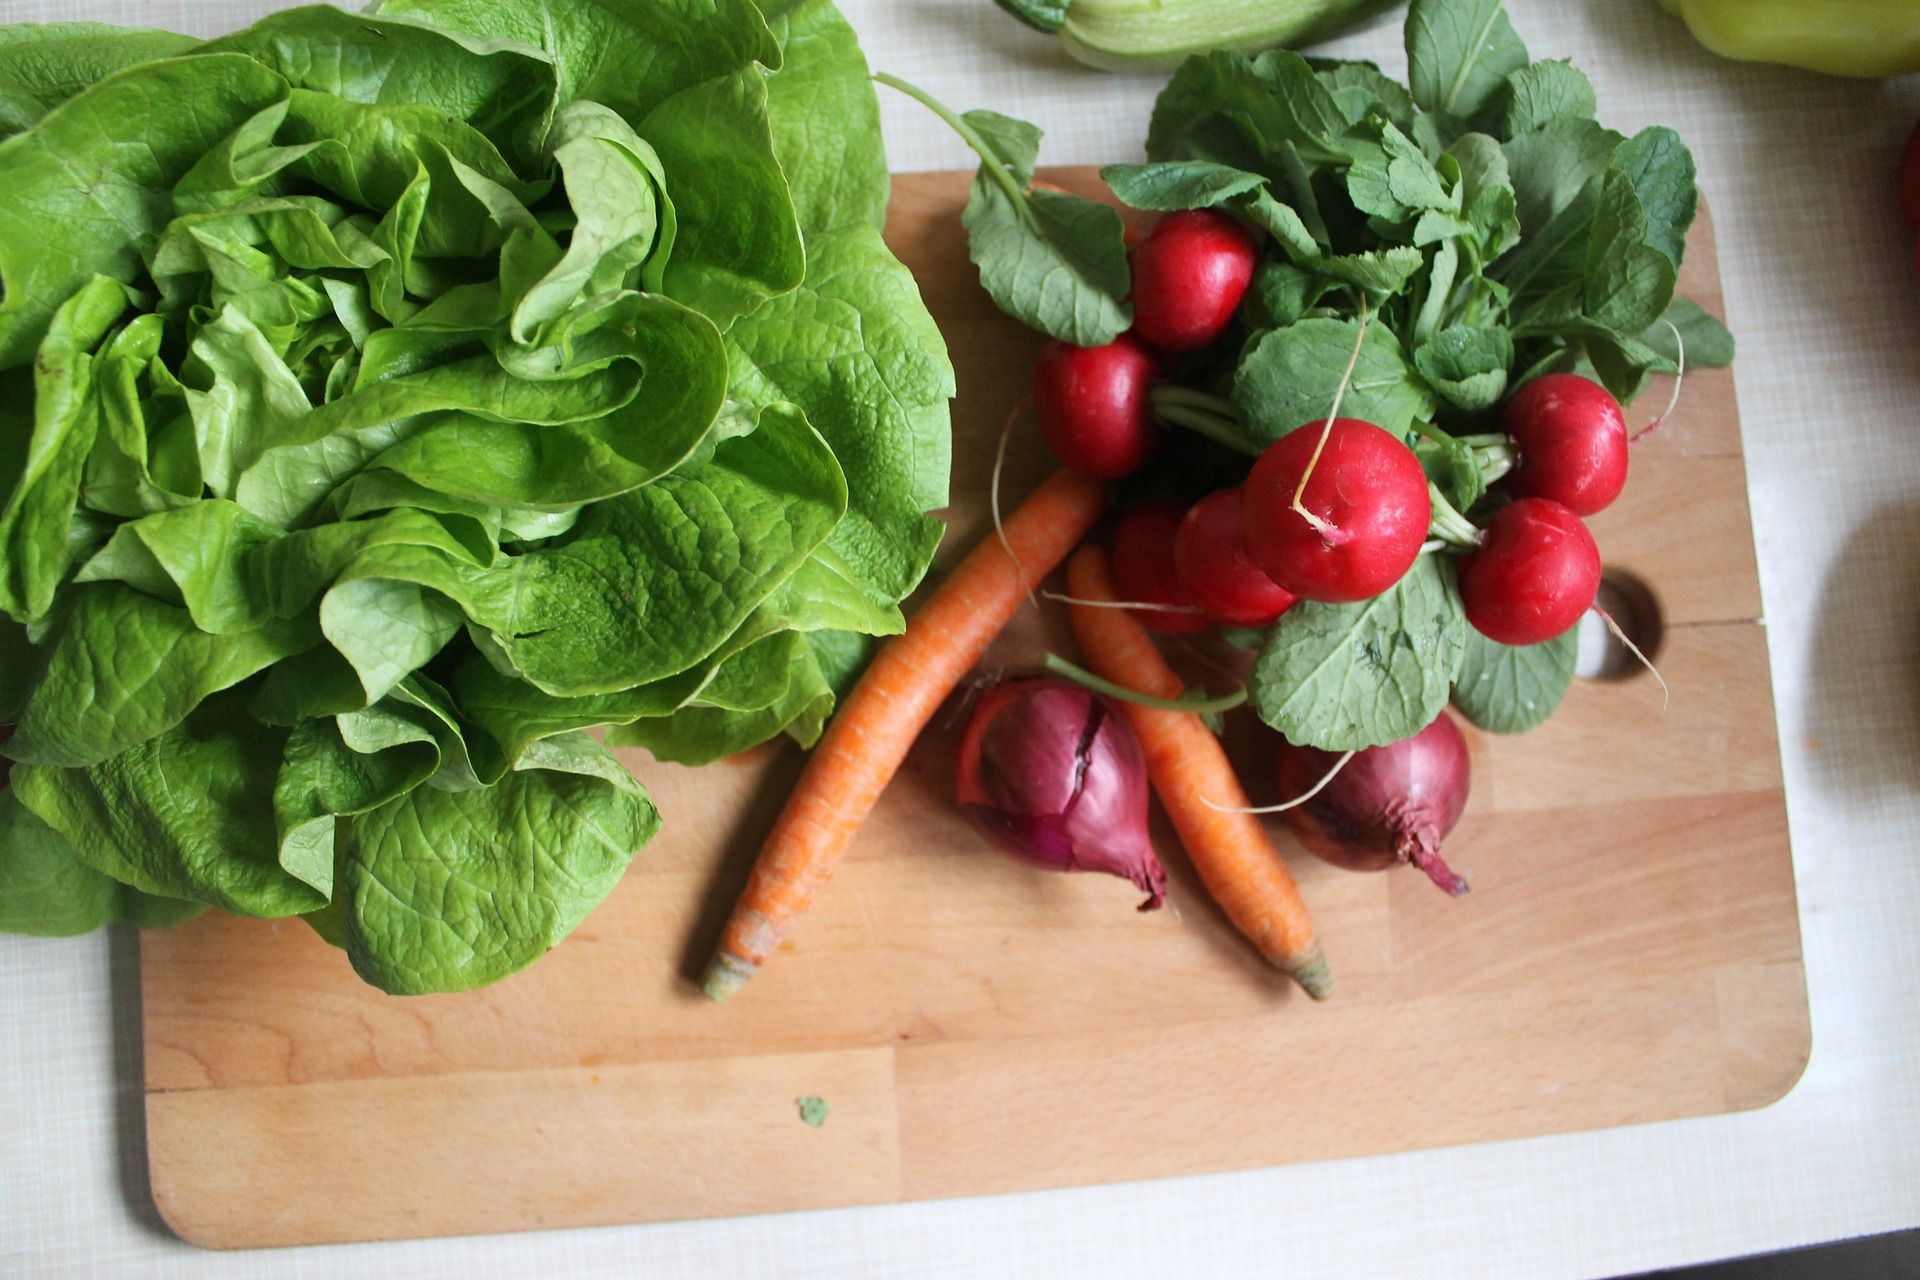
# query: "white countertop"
{"points": [[1821, 291]]}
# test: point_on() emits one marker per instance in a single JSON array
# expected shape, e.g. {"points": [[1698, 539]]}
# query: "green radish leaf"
{"points": [[1285, 225], [1180, 184], [1289, 377], [1344, 677], [1247, 112], [1010, 142], [1552, 167], [1487, 199], [1055, 262], [1460, 53], [1391, 177], [1282, 293], [1542, 92], [1661, 170], [1202, 184], [1508, 689], [1709, 345], [1627, 284], [1381, 272], [1467, 365], [1361, 89], [1620, 365]]}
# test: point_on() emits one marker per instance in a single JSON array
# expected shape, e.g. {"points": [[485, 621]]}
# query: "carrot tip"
{"points": [[1313, 973], [725, 976]]}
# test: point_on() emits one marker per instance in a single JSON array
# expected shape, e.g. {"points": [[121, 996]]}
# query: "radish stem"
{"points": [[1204, 415], [1189, 703], [1449, 524], [970, 136], [1494, 461]]}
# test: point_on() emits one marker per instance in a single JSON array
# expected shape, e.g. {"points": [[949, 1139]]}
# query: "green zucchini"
{"points": [[1138, 35]]}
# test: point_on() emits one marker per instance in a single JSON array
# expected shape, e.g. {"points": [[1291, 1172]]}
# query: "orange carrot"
{"points": [[886, 711], [1231, 851]]}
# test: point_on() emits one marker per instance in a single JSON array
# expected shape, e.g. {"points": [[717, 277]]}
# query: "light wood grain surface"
{"points": [[1630, 952]]}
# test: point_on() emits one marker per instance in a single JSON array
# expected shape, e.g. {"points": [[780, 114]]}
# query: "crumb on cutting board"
{"points": [[813, 1110]]}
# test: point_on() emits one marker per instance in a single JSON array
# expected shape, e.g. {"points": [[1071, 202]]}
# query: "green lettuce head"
{"points": [[387, 398]]}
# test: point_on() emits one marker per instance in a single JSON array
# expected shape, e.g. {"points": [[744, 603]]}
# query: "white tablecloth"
{"points": [[1821, 290]]}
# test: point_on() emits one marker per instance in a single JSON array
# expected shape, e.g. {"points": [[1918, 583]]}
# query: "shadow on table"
{"points": [[1863, 712], [1888, 1257], [129, 1076]]}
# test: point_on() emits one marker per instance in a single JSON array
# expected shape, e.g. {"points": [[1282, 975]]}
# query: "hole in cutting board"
{"points": [[1634, 608]]}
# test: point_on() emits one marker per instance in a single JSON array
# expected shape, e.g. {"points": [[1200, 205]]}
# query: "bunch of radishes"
{"points": [[1336, 510]]}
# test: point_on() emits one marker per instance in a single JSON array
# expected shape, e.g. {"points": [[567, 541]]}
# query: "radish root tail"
{"points": [[993, 490], [1679, 377], [1666, 694], [1294, 803], [1322, 526], [1149, 607]]}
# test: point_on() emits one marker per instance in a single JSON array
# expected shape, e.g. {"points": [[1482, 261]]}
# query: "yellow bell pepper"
{"points": [[1839, 37]]}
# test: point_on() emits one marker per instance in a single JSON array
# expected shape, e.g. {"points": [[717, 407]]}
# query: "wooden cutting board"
{"points": [[1630, 952]]}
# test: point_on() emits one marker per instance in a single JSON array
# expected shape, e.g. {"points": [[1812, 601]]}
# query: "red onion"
{"points": [[1389, 805], [1051, 774]]}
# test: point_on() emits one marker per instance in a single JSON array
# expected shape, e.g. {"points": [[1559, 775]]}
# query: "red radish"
{"points": [[1218, 572], [1910, 180], [1189, 275], [1092, 406], [1572, 440], [1535, 572], [1051, 774], [1387, 806], [1143, 568], [1369, 493]]}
